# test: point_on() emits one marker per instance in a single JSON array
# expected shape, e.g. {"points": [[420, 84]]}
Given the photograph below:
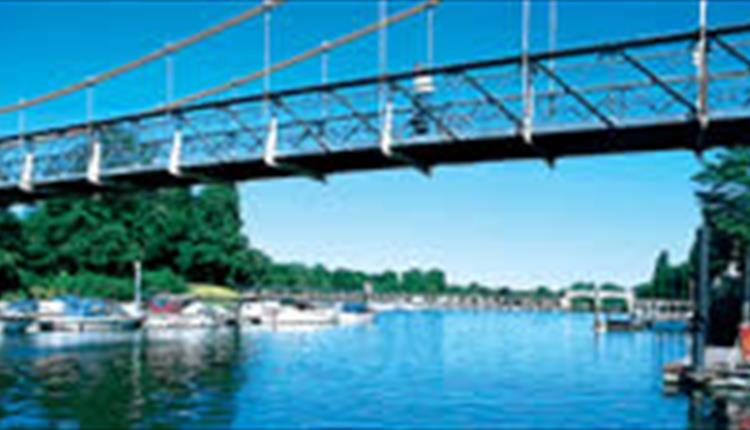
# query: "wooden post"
{"points": [[137, 281]]}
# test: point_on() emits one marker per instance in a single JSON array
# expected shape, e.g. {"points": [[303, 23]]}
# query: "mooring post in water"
{"points": [[701, 302], [137, 284]]}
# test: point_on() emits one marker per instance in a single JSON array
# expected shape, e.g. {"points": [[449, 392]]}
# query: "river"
{"points": [[432, 369]]}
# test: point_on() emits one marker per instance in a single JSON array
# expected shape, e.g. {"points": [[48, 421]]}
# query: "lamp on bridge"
{"points": [[424, 87]]}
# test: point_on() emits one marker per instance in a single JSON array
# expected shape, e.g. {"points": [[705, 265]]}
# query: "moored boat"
{"points": [[75, 314], [184, 312], [18, 317], [355, 313], [285, 312]]}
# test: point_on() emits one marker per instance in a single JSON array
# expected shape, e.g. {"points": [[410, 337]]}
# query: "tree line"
{"points": [[88, 245]]}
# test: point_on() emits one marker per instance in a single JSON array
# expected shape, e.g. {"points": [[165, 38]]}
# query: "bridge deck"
{"points": [[637, 95]]}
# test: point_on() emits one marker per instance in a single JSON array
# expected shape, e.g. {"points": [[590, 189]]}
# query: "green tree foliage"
{"points": [[11, 249], [179, 234], [725, 193]]}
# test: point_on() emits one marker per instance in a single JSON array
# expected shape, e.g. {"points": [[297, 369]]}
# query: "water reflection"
{"points": [[116, 381], [451, 369]]}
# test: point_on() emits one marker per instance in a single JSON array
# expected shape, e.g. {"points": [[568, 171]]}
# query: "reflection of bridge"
{"points": [[597, 297], [677, 91]]}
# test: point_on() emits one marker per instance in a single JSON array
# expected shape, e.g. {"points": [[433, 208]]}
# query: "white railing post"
{"points": [[386, 131], [93, 173], [269, 155], [27, 173], [175, 153]]}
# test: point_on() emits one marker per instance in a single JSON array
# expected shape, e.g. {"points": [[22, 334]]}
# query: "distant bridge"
{"points": [[686, 90], [597, 297]]}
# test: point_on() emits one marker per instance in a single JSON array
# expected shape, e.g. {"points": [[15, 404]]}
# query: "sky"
{"points": [[519, 223]]}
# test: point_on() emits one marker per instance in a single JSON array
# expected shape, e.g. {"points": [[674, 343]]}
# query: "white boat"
{"points": [[302, 313], [74, 314], [254, 311], [18, 317], [162, 321], [16, 324], [67, 323], [285, 312], [383, 306], [194, 315]]}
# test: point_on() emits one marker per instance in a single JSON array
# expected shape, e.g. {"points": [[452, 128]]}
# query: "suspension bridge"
{"points": [[686, 90]]}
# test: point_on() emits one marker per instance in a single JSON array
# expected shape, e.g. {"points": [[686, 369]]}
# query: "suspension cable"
{"points": [[527, 88], [383, 38], [21, 122], [169, 78], [311, 53], [324, 79], [266, 60], [430, 33], [90, 104], [382, 58], [155, 55], [551, 47]]}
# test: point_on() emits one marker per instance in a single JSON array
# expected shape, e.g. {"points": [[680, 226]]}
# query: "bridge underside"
{"points": [[545, 147]]}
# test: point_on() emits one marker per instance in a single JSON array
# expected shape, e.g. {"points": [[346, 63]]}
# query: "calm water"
{"points": [[428, 369]]}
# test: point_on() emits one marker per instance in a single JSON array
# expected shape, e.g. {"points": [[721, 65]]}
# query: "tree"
{"points": [[11, 248], [662, 277], [543, 292]]}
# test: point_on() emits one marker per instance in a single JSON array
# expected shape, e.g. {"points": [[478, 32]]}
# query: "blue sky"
{"points": [[522, 224]]}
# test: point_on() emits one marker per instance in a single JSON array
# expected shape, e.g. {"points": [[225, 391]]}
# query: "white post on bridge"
{"points": [[27, 171], [700, 57], [93, 172], [386, 131], [175, 153], [269, 155]]}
